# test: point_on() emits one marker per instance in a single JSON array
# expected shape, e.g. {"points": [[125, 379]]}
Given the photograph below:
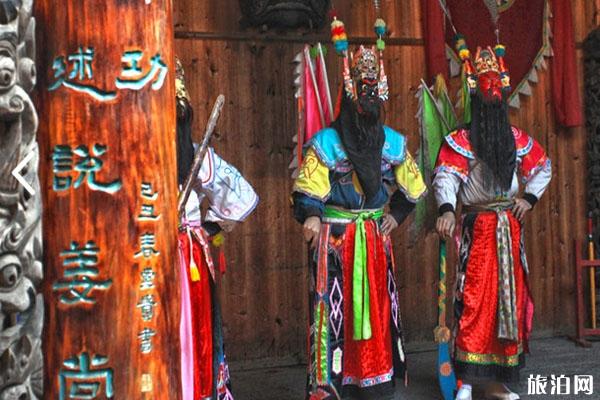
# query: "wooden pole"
{"points": [[592, 257], [199, 155], [107, 111]]}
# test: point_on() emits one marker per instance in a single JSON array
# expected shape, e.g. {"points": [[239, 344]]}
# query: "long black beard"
{"points": [[185, 145], [363, 138], [493, 141]]}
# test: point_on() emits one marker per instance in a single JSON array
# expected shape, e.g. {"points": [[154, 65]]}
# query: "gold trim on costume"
{"points": [[180, 90], [487, 359]]}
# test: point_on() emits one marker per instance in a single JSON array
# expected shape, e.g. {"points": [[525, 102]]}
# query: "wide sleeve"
{"points": [[311, 188], [230, 196], [409, 179], [536, 172], [452, 169], [400, 206]]}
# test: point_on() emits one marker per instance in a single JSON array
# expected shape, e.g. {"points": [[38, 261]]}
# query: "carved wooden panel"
{"points": [[21, 271], [284, 14]]}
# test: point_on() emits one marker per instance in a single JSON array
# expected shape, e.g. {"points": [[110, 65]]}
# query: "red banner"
{"points": [[521, 26]]}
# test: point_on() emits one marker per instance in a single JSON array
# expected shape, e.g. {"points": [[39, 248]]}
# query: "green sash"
{"points": [[360, 278]]}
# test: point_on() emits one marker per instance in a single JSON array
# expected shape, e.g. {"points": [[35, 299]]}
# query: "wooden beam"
{"points": [[300, 39]]}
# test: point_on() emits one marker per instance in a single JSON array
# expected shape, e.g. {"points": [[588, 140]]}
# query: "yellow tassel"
{"points": [[218, 239], [194, 272]]}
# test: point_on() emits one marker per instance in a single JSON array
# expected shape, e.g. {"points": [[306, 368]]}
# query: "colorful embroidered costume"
{"points": [[493, 302], [355, 330], [205, 375], [230, 197]]}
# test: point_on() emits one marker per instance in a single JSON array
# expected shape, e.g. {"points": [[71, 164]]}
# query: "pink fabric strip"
{"points": [[194, 224], [185, 333]]}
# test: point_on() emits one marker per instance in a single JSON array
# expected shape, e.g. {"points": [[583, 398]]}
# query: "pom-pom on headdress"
{"points": [[365, 63], [380, 30]]}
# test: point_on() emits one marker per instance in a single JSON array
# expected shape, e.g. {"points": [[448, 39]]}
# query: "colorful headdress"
{"points": [[488, 72], [366, 64], [180, 91]]}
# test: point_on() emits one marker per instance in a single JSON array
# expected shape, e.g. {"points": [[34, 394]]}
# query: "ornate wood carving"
{"points": [[21, 272], [284, 14]]}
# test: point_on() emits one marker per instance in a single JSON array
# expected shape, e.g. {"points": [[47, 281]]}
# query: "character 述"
{"points": [[480, 165], [231, 199]]}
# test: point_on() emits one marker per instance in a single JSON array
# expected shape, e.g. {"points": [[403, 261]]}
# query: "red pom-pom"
{"points": [[338, 30], [333, 13]]}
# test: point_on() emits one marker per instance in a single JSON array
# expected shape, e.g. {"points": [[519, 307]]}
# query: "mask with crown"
{"points": [[488, 73]]}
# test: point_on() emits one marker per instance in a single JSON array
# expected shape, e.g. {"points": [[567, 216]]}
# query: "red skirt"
{"points": [[201, 317], [478, 350], [339, 365], [205, 374]]}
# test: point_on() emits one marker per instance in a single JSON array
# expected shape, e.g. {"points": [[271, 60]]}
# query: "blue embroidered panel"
{"points": [[329, 148]]}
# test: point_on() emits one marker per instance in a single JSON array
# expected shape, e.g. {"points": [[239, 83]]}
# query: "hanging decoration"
{"points": [[523, 26]]}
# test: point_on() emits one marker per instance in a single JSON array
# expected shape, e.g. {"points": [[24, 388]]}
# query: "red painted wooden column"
{"points": [[107, 137]]}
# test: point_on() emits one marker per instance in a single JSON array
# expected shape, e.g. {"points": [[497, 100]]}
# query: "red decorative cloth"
{"points": [[565, 92], [533, 155], [201, 313], [454, 154], [368, 359], [476, 340], [433, 32], [522, 31]]}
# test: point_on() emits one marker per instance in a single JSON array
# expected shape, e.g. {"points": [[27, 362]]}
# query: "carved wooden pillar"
{"points": [[106, 96], [21, 306]]}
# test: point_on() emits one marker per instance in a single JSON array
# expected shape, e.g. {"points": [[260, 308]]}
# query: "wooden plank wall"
{"points": [[264, 291]]}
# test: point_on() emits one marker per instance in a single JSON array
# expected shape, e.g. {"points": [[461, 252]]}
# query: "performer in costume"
{"points": [[205, 375], [480, 165], [350, 171]]}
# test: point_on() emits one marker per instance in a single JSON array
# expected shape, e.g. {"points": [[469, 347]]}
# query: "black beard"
{"points": [[367, 120], [493, 140], [185, 145], [363, 138]]}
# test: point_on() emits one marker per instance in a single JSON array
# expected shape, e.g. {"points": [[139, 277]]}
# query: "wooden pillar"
{"points": [[107, 139]]}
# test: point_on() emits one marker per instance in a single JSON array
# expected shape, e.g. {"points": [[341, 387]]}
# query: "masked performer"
{"points": [[350, 171], [230, 199], [480, 166]]}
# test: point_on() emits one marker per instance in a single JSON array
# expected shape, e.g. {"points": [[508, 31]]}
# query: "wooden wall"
{"points": [[264, 293]]}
